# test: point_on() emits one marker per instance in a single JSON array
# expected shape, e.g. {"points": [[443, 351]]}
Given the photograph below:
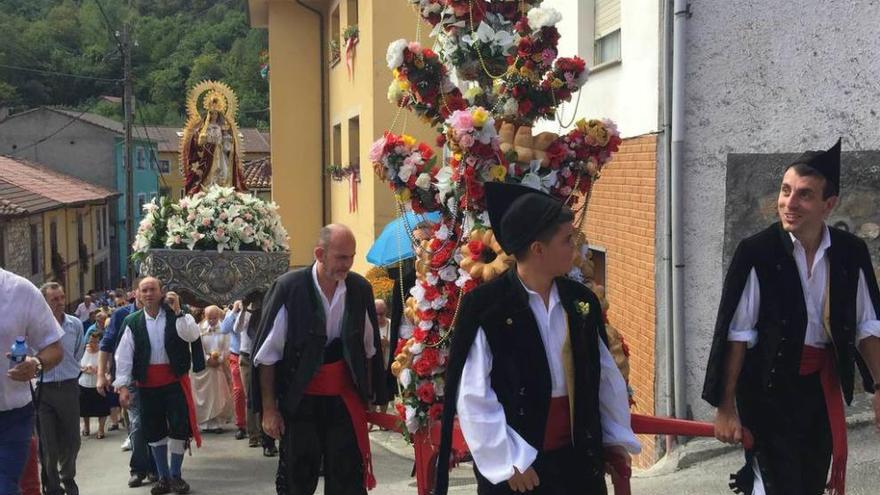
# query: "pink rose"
{"points": [[466, 141], [376, 150]]}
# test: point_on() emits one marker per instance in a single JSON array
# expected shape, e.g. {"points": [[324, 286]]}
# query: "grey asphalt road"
{"points": [[226, 466]]}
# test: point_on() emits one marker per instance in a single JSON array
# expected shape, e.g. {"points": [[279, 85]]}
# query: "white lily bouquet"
{"points": [[219, 218]]}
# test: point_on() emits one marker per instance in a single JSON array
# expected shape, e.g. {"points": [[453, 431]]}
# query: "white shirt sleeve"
{"points": [[41, 327], [866, 315], [241, 321], [743, 326], [124, 358], [614, 404], [272, 349], [369, 342], [495, 446], [187, 328]]}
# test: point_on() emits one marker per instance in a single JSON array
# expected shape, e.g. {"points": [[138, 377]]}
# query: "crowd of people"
{"points": [[304, 362]]}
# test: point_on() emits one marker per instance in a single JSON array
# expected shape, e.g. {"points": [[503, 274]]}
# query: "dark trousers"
{"points": [[319, 431], [560, 472], [793, 441], [164, 413], [141, 461], [16, 427], [254, 429], [59, 433]]}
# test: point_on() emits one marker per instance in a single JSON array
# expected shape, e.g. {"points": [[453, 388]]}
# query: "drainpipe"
{"points": [[681, 11], [669, 387], [324, 119]]}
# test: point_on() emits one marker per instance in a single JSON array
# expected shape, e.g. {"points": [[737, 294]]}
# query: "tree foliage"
{"points": [[175, 44]]}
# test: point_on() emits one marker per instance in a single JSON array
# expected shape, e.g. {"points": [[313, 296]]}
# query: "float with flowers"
{"points": [[508, 75], [492, 71], [218, 243]]}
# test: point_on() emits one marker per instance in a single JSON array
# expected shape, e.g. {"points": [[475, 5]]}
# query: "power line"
{"points": [[110, 29], [56, 73]]}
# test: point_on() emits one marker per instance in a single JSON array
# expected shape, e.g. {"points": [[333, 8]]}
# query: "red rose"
{"points": [[441, 139], [425, 151], [431, 355], [401, 410], [401, 343], [524, 107], [419, 334], [435, 412], [425, 391], [445, 319], [476, 249], [423, 368]]}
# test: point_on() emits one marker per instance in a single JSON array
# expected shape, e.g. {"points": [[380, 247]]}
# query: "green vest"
{"points": [[181, 354]]}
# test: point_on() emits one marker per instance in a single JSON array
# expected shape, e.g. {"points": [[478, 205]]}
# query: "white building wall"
{"points": [[628, 92]]}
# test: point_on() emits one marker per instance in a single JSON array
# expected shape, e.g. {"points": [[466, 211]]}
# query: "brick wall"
{"points": [[620, 219]]}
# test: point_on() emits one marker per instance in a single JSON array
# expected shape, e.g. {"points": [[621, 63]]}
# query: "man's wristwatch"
{"points": [[39, 365]]}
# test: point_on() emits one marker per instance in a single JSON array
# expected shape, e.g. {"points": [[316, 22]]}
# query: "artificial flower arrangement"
{"points": [[219, 218], [504, 53]]}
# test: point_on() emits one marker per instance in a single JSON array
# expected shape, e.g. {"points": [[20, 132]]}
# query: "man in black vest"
{"points": [[539, 398], [799, 306], [315, 364], [156, 353]]}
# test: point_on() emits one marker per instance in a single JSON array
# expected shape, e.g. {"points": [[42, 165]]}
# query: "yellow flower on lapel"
{"points": [[583, 308]]}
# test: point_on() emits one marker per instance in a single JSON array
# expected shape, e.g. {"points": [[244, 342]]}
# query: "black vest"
{"points": [[774, 363], [307, 335], [520, 373], [181, 354]]}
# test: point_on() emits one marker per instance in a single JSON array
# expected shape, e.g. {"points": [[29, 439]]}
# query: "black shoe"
{"points": [[253, 443], [152, 477], [270, 451], [241, 435], [179, 486], [161, 487], [136, 480]]}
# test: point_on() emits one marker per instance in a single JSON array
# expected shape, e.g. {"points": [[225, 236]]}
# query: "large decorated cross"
{"points": [[493, 71]]}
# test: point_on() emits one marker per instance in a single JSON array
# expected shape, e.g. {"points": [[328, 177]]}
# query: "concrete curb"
{"points": [[704, 449]]}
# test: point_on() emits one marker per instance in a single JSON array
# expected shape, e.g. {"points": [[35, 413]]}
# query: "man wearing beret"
{"points": [[540, 401]]}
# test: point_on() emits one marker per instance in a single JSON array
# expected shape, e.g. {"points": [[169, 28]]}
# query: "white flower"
{"points": [[511, 107], [405, 377], [543, 17], [406, 171], [442, 233], [424, 181], [431, 278], [412, 421], [416, 348], [394, 56], [448, 273]]}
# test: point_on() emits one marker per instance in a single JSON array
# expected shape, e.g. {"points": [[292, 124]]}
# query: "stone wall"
{"points": [[17, 236]]}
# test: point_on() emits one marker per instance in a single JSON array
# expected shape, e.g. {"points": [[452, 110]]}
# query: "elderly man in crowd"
{"points": [[85, 308], [59, 401], [211, 387]]}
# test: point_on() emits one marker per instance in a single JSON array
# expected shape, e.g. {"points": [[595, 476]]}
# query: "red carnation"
{"points": [[401, 410], [426, 151], [425, 391]]}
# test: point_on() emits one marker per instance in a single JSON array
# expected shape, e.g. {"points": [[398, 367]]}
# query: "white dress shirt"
{"points": [[187, 329], [495, 446], [272, 349], [745, 320], [23, 313], [242, 319]]}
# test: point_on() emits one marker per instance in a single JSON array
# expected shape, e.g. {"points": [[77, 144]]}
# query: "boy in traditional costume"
{"points": [[159, 345], [799, 306], [317, 370], [539, 398]]}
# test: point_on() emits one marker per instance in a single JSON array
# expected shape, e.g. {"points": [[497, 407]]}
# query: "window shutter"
{"points": [[607, 17]]}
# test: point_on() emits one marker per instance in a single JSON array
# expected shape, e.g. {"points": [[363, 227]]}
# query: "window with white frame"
{"points": [[606, 29]]}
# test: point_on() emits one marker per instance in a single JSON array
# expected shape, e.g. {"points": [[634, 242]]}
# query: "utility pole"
{"points": [[129, 171]]}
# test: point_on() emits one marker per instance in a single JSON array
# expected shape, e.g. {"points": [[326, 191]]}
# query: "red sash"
{"points": [[335, 379], [819, 360], [159, 375], [557, 435]]}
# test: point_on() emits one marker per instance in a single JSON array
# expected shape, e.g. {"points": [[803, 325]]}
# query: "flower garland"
{"points": [[421, 82], [409, 168], [506, 52]]}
